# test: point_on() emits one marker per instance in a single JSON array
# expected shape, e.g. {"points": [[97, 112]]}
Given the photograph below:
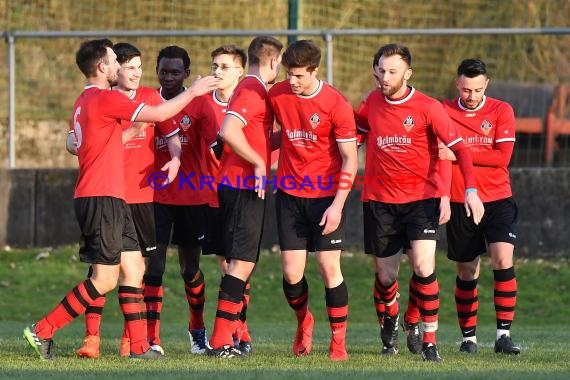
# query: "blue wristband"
{"points": [[470, 190]]}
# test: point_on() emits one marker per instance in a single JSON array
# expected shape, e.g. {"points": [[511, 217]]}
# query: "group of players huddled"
{"points": [[144, 154]]}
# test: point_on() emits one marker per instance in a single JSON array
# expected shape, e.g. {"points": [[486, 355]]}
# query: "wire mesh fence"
{"points": [[525, 69]]}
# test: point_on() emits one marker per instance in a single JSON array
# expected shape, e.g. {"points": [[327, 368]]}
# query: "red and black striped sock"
{"points": [[228, 309], [337, 310], [244, 331], [466, 304], [153, 292], [70, 307], [93, 314], [428, 302], [133, 308], [195, 295], [412, 315], [297, 296], [378, 303], [389, 295], [505, 297]]}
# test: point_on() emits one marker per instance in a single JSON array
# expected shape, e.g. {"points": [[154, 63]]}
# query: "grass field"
{"points": [[30, 286]]}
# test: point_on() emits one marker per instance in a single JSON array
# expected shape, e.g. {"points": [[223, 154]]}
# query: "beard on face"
{"points": [[388, 92], [113, 81], [471, 105]]}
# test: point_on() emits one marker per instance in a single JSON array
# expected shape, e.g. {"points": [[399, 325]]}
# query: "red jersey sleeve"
{"points": [[153, 96], [168, 128], [246, 105], [116, 105], [447, 132], [500, 156], [504, 141], [343, 122], [445, 169], [443, 126], [505, 123]]}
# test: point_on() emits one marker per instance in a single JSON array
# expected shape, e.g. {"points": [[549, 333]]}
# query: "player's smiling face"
{"points": [[302, 81], [391, 74], [228, 68], [130, 73], [471, 90]]}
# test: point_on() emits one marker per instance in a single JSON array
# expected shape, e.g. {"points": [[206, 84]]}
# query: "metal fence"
{"points": [[42, 81]]}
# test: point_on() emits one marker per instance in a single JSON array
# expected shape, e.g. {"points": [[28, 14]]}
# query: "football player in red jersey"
{"points": [[319, 159], [181, 206], [139, 167], [412, 318], [108, 237], [246, 131], [402, 188], [488, 129], [228, 64]]}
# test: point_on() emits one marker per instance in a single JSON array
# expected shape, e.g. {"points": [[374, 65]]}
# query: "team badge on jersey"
{"points": [[315, 120], [408, 123], [185, 123], [486, 127]]}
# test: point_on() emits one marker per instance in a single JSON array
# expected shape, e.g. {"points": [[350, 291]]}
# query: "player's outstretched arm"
{"points": [[168, 109]]}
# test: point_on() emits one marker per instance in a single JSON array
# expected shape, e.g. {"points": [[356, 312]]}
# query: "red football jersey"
{"points": [[311, 128], [197, 124], [491, 123], [139, 153], [96, 121], [250, 104], [401, 151], [213, 164]]}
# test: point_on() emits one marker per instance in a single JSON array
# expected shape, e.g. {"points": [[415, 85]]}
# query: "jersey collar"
{"points": [[217, 100], [481, 105], [259, 79], [315, 93], [401, 101]]}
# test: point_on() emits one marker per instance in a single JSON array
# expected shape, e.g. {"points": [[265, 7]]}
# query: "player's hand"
{"points": [[331, 219], [445, 153], [71, 143], [260, 173], [139, 127], [474, 207], [171, 167], [444, 210], [204, 85]]}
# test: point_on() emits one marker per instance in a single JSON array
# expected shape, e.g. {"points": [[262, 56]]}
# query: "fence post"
{"points": [[293, 20], [11, 100], [329, 57]]}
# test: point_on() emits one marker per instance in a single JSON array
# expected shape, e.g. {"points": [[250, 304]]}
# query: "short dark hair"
{"points": [[173, 52], [230, 50], [125, 52], [263, 48], [302, 53], [393, 49], [471, 68], [90, 53]]}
